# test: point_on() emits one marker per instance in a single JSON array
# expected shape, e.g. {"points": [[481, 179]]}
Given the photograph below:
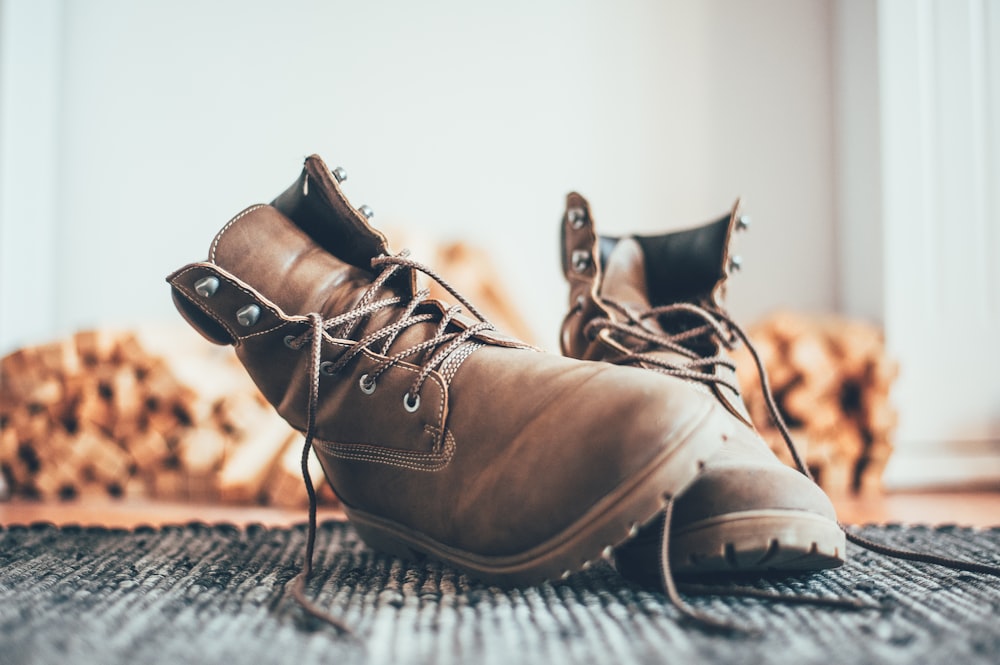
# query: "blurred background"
{"points": [[862, 136]]}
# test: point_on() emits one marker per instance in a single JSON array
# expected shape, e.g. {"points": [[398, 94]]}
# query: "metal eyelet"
{"points": [[367, 387], [326, 367], [289, 339], [411, 406], [577, 217], [580, 260], [340, 173], [743, 222], [367, 211], [735, 263]]}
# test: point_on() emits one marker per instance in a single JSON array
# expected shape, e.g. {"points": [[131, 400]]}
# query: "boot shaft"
{"points": [[686, 266]]}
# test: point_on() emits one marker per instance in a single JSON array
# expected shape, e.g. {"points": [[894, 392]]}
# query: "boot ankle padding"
{"points": [[319, 207], [686, 265]]}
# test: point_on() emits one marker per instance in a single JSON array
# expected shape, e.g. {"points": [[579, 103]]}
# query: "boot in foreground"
{"points": [[441, 436]]}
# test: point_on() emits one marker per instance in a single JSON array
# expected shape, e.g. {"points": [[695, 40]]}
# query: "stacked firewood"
{"points": [[831, 379], [102, 414]]}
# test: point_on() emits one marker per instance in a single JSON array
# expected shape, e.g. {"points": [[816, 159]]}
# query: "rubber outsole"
{"points": [[758, 541]]}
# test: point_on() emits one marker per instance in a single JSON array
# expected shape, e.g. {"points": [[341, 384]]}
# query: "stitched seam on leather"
{"points": [[282, 320], [436, 433], [363, 452], [204, 308], [374, 357], [371, 355], [218, 236], [278, 325]]}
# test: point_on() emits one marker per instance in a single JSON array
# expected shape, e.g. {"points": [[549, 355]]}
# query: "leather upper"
{"points": [[509, 445]]}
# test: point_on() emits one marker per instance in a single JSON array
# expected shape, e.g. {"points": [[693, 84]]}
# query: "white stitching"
{"points": [[363, 452], [218, 236], [433, 376], [211, 314], [274, 310]]}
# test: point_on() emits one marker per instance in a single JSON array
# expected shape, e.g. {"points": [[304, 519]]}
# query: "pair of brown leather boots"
{"points": [[445, 438]]}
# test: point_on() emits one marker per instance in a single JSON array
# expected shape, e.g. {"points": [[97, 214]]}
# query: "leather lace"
{"points": [[432, 353], [716, 327]]}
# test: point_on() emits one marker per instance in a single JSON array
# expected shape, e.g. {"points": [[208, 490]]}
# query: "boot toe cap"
{"points": [[732, 488]]}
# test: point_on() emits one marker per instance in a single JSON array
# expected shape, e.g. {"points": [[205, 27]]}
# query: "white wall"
{"points": [[919, 193], [30, 87], [147, 124]]}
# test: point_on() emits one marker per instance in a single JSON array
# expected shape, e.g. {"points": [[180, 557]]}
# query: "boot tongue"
{"points": [[689, 265], [624, 279], [319, 207], [625, 282]]}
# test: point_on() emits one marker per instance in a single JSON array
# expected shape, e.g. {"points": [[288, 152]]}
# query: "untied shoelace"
{"points": [[717, 324], [442, 344]]}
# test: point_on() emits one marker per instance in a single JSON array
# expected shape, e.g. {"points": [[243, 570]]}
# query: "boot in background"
{"points": [[655, 302]]}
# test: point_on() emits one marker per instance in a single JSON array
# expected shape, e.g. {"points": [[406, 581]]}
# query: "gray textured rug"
{"points": [[218, 594]]}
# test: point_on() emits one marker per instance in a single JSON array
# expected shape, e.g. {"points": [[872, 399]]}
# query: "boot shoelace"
{"points": [[433, 351], [716, 325]]}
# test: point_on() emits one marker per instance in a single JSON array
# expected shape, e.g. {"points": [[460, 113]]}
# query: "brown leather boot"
{"points": [[655, 302], [441, 436]]}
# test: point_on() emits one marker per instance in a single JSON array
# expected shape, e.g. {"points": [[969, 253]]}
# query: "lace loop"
{"points": [[696, 366]]}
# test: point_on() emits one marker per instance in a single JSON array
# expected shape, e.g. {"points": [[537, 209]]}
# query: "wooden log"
{"points": [[201, 451], [874, 461], [881, 373], [241, 479], [856, 345], [239, 414], [13, 468], [96, 457], [56, 474], [8, 443], [148, 449], [816, 412], [879, 416], [99, 412], [95, 347], [55, 482], [44, 394], [812, 361], [832, 380], [109, 463], [126, 396], [18, 375], [128, 352], [167, 485], [58, 358], [93, 409], [136, 487]]}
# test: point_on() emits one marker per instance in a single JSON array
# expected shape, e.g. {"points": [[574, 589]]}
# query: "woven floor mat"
{"points": [[218, 594]]}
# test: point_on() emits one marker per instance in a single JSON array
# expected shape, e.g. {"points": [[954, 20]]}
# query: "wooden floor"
{"points": [[979, 509]]}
